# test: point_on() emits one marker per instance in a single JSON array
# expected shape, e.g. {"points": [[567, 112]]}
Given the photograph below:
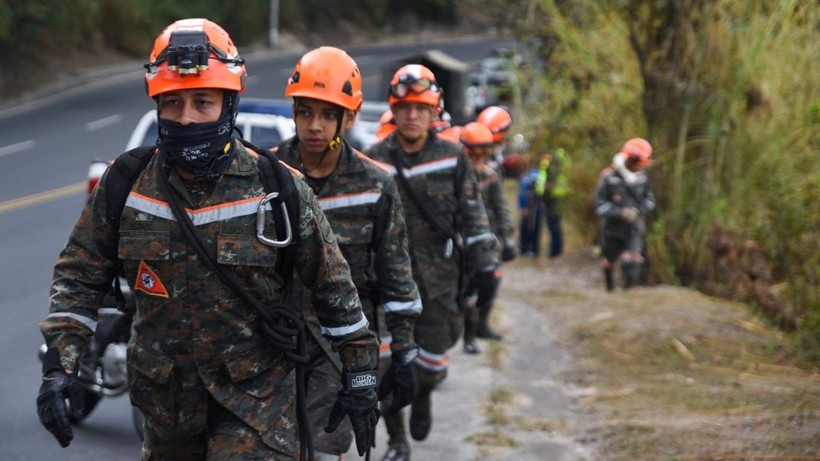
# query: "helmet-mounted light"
{"points": [[188, 53]]}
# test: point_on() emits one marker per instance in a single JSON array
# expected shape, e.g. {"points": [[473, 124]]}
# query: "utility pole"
{"points": [[273, 30]]}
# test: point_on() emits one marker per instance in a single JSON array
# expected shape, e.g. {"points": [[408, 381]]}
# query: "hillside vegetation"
{"points": [[727, 93]]}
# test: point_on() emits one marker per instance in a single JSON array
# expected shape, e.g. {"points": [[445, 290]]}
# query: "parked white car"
{"points": [[263, 130]]}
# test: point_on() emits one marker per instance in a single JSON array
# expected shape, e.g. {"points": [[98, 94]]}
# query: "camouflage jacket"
{"points": [[192, 335], [491, 187], [443, 179], [618, 188], [362, 203]]}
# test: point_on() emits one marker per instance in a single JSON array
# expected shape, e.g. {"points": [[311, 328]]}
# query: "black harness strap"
{"points": [[454, 240], [282, 324]]}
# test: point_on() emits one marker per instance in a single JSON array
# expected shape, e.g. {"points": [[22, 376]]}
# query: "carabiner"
{"points": [[260, 223]]}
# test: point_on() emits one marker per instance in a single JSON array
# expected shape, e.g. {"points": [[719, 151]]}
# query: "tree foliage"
{"points": [[726, 93], [36, 34]]}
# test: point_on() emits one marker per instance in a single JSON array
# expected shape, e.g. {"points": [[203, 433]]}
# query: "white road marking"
{"points": [[103, 122], [19, 147]]}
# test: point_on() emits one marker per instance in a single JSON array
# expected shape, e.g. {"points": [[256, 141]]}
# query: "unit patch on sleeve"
{"points": [[148, 282]]}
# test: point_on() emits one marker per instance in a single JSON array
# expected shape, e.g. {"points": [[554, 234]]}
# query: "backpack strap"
{"points": [[277, 178], [121, 177]]}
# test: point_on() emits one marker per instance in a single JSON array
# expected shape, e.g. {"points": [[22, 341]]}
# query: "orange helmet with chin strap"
{"points": [[327, 74], [497, 119], [414, 83], [638, 149], [194, 53]]}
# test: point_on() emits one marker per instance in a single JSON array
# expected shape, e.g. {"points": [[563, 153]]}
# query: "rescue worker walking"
{"points": [[364, 208], [483, 287], [552, 186], [499, 120], [212, 371], [449, 234], [623, 200]]}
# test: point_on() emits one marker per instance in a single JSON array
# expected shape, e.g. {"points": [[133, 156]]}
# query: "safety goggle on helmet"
{"points": [[414, 83], [194, 53]]}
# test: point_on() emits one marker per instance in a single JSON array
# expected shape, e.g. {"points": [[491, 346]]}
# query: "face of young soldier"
{"points": [[317, 122], [412, 119]]}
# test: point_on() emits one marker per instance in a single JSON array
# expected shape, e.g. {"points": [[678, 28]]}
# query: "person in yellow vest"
{"points": [[552, 185]]}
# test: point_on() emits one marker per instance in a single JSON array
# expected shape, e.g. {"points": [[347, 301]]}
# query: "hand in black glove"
{"points": [[508, 252], [401, 380], [51, 401], [357, 400]]}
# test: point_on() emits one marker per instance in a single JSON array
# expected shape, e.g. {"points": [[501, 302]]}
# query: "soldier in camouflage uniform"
{"points": [[483, 287], [210, 384], [443, 252], [362, 204]]}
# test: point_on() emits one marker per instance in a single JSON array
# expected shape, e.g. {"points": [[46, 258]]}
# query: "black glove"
{"points": [[51, 401], [357, 400], [401, 380], [508, 252]]}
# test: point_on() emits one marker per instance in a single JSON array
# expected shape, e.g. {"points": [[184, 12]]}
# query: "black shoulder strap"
{"points": [[416, 200], [121, 177], [277, 178]]}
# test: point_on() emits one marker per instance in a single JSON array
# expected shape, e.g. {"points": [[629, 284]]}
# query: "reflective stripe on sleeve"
{"points": [[431, 361], [403, 306], [479, 238], [342, 331], [384, 346], [89, 323]]}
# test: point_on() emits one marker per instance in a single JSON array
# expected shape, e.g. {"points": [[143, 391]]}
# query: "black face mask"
{"points": [[204, 149]]}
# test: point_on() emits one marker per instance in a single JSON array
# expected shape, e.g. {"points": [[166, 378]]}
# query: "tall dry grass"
{"points": [[728, 93]]}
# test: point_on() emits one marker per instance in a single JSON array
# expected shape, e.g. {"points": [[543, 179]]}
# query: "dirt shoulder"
{"points": [[664, 372]]}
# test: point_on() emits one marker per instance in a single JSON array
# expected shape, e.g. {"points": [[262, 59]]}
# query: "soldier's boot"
{"points": [[322, 456], [484, 330], [631, 271], [470, 327], [610, 281], [421, 419], [398, 449]]}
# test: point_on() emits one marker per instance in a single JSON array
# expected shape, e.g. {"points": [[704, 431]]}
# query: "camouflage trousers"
{"points": [[227, 438], [437, 329], [323, 382]]}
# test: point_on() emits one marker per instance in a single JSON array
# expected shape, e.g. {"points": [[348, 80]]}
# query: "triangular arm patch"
{"points": [[148, 282]]}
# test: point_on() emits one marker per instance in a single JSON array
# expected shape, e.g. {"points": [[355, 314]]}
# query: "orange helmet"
{"points": [[194, 53], [452, 134], [476, 135], [497, 119], [639, 149], [415, 83], [387, 125], [328, 74]]}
